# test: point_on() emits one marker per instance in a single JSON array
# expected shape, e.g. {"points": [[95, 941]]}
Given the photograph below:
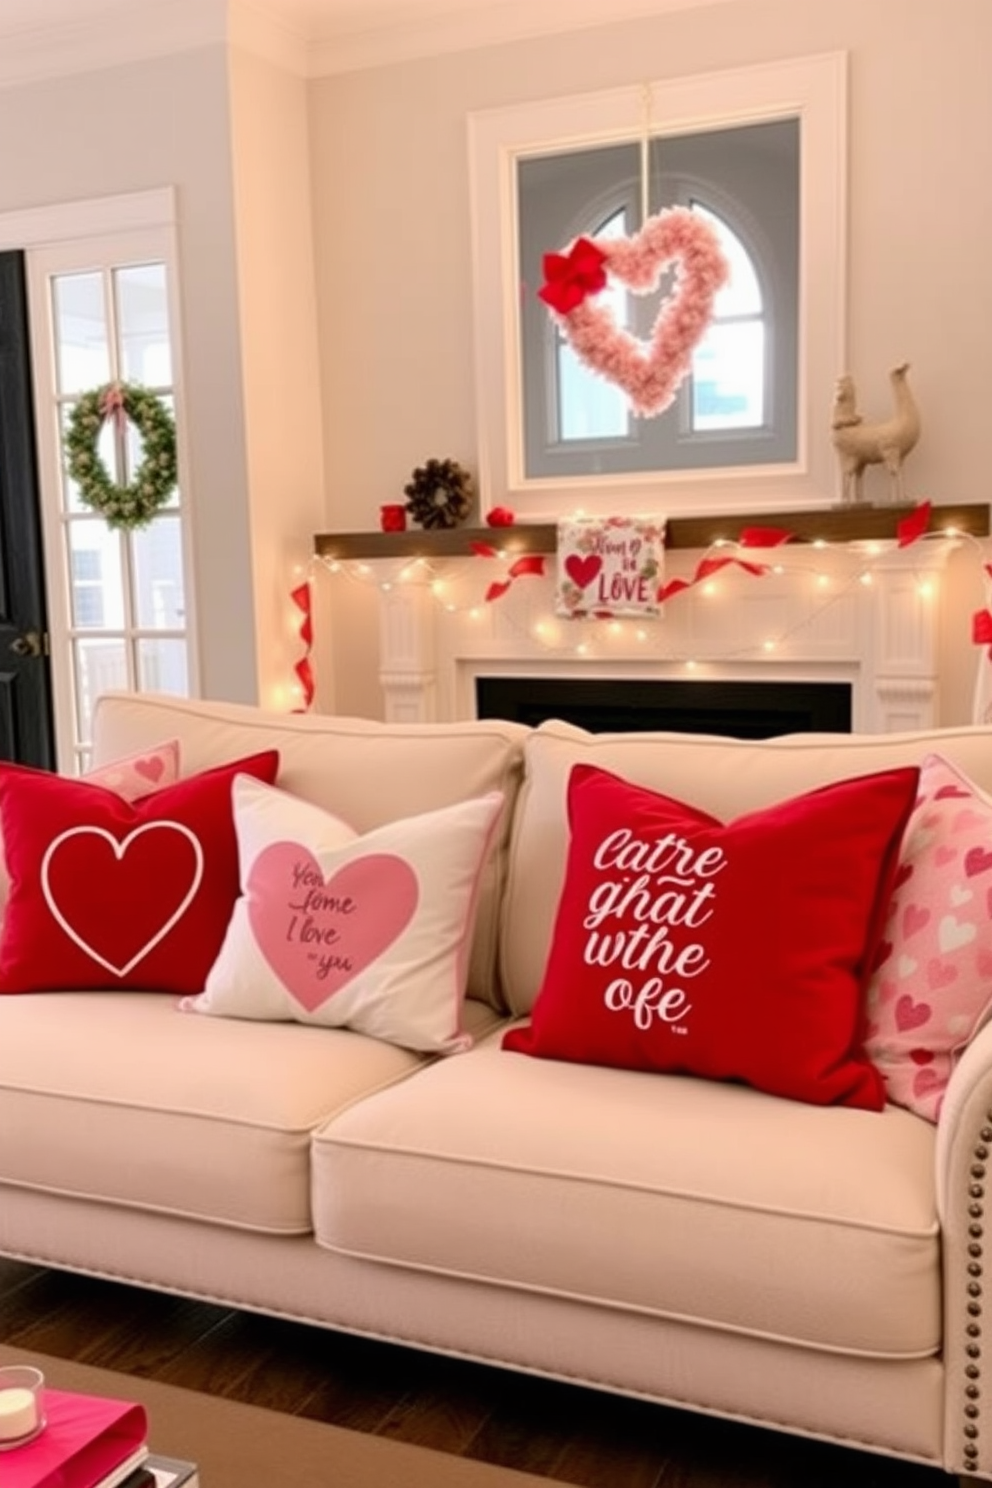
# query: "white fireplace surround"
{"points": [[864, 613]]}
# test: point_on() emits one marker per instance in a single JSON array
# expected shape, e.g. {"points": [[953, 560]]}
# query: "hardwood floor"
{"points": [[556, 1431]]}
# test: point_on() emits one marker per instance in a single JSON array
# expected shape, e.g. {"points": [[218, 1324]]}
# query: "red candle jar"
{"points": [[392, 518]]}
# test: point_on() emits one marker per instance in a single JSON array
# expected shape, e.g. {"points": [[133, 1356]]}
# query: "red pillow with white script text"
{"points": [[104, 893], [734, 952]]}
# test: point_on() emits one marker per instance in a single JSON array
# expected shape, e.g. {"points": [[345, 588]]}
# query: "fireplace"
{"points": [[742, 710], [816, 644]]}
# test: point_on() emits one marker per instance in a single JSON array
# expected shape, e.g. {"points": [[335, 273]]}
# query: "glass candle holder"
{"points": [[22, 1408]]}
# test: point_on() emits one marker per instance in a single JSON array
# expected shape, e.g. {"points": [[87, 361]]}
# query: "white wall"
{"points": [[290, 432], [391, 213], [280, 362], [159, 123]]}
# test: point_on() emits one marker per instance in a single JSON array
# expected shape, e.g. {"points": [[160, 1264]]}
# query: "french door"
{"points": [[26, 732], [103, 310]]}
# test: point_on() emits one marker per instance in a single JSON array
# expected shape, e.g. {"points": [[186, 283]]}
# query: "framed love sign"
{"points": [[609, 566]]}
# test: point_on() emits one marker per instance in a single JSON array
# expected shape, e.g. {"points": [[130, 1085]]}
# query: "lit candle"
{"points": [[18, 1414]]}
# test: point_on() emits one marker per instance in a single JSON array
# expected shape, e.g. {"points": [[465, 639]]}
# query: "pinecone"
{"points": [[439, 494]]}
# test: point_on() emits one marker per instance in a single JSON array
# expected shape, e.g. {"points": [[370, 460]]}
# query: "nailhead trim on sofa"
{"points": [[973, 1329]]}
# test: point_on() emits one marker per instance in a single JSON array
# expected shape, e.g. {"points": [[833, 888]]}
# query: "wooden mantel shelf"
{"points": [[832, 524]]}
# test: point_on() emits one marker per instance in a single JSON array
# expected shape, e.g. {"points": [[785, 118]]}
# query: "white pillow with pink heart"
{"points": [[366, 932], [932, 986]]}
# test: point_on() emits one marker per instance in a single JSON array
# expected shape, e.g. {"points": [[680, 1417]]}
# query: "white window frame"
{"points": [[814, 89], [69, 238]]}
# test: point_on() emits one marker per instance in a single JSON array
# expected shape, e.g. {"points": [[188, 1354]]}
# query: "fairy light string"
{"points": [[720, 570]]}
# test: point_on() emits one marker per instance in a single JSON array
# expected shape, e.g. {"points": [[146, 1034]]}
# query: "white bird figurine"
{"points": [[859, 444]]}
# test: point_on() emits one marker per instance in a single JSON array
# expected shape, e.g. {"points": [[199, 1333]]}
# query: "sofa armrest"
{"points": [[964, 1208]]}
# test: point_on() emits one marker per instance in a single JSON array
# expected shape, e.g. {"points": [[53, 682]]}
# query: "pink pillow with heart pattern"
{"points": [[932, 986], [370, 933]]}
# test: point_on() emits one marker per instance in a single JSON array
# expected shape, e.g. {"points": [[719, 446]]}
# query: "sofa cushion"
{"points": [[710, 1203], [370, 932], [932, 989], [734, 950], [211, 1121], [724, 777], [367, 773], [110, 893]]}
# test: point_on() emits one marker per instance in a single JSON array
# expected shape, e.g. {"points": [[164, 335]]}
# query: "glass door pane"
{"points": [[127, 626]]}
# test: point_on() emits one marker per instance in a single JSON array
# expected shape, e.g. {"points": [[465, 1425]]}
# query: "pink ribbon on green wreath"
{"points": [[112, 406]]}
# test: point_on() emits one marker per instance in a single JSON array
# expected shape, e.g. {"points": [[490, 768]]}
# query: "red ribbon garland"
{"points": [[750, 537], [304, 667], [981, 627], [564, 272], [764, 537], [908, 531], [530, 563], [912, 528]]}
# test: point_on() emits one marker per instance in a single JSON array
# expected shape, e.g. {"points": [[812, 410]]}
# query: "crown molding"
{"points": [[271, 31], [349, 37], [42, 39]]}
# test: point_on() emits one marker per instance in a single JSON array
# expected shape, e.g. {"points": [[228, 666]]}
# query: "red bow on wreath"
{"points": [[573, 275]]}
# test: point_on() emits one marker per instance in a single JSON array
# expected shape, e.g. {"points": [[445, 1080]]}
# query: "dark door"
{"points": [[26, 724]]}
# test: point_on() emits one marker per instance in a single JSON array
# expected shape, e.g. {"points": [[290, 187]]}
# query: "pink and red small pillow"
{"points": [[735, 951], [139, 774], [106, 892], [932, 985]]}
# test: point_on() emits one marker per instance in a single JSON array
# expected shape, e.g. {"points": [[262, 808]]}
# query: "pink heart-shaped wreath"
{"points": [[649, 372]]}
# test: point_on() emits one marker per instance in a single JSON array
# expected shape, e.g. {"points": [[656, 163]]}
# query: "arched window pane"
{"points": [[728, 377], [728, 368], [741, 295], [589, 407]]}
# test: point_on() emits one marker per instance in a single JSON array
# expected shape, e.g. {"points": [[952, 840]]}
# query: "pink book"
{"points": [[85, 1438]]}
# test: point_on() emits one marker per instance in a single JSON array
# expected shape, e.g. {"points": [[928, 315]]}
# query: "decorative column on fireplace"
{"points": [[863, 614]]}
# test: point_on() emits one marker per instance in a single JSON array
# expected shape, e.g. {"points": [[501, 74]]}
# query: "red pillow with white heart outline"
{"points": [[133, 776], [107, 893], [733, 952]]}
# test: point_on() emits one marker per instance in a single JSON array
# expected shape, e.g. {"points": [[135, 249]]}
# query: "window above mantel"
{"points": [[655, 145]]}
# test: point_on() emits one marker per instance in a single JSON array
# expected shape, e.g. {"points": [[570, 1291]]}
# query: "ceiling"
{"points": [[314, 37]]}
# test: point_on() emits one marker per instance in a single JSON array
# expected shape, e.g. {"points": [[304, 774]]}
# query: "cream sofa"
{"points": [[815, 1270]]}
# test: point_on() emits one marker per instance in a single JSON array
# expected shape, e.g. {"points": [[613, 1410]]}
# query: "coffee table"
{"points": [[240, 1446]]}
